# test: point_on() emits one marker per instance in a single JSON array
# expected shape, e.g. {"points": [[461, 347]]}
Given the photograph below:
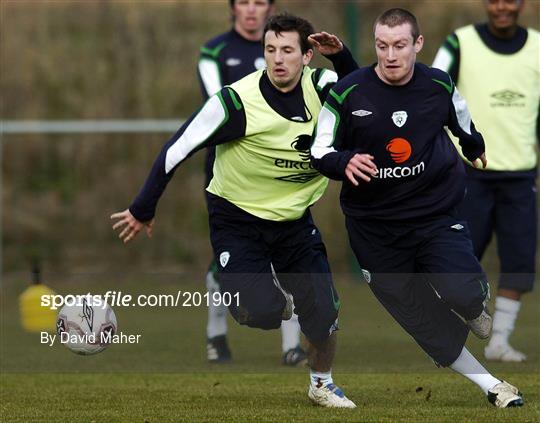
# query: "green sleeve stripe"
{"points": [[337, 116], [341, 98], [336, 97], [213, 52], [237, 104], [453, 41], [448, 87]]}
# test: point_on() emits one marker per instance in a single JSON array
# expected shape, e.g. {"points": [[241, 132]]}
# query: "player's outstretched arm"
{"points": [[330, 46], [129, 226], [220, 120], [326, 43]]}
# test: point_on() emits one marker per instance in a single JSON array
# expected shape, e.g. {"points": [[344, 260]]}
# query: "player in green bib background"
{"points": [[496, 66]]}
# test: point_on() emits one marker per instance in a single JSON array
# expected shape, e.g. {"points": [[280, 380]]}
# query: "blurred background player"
{"points": [[496, 66], [226, 59]]}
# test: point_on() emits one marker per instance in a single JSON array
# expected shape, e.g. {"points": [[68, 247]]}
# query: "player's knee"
{"points": [[470, 302], [261, 318], [267, 320], [318, 322]]}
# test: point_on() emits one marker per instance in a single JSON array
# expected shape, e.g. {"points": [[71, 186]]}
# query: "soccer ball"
{"points": [[84, 328]]}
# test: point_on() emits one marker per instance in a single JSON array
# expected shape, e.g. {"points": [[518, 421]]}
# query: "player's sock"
{"points": [[217, 314], [504, 319], [471, 368], [217, 321], [319, 379], [290, 333]]}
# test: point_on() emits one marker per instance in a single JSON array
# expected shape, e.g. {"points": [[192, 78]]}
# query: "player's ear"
{"points": [[307, 56], [418, 44]]}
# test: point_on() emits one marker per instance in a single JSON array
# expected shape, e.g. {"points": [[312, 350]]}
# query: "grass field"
{"points": [[166, 376], [251, 397]]}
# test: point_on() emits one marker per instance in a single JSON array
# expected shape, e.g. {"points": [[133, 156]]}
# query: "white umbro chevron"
{"points": [[457, 226], [362, 113]]}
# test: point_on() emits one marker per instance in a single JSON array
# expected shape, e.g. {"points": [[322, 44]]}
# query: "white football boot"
{"points": [[504, 395], [329, 396], [481, 326], [289, 307]]}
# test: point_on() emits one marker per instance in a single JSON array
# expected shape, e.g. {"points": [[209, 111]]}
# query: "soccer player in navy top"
{"points": [[223, 60], [381, 131]]}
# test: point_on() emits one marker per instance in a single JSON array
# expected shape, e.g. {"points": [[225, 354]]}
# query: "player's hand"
{"points": [[483, 159], [129, 226], [362, 166], [326, 43]]}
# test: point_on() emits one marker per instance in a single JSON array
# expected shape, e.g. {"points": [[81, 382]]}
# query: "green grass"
{"points": [[240, 397], [166, 376]]}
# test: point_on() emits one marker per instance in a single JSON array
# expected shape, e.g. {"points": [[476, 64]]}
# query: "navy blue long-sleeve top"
{"points": [[419, 170]]}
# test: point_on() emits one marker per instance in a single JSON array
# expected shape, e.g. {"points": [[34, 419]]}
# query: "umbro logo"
{"points": [[457, 227], [233, 61], [300, 178], [507, 96], [362, 113]]}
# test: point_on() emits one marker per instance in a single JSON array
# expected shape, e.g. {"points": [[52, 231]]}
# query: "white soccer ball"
{"points": [[84, 328]]}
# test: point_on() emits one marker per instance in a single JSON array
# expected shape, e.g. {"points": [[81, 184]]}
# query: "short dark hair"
{"points": [[397, 16], [232, 2], [284, 22]]}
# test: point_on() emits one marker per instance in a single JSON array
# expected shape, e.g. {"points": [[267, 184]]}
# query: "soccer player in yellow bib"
{"points": [[496, 66], [224, 60], [261, 191]]}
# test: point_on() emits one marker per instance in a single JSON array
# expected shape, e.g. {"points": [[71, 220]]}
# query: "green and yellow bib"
{"points": [[268, 171], [503, 95]]}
